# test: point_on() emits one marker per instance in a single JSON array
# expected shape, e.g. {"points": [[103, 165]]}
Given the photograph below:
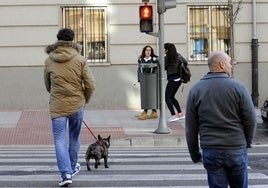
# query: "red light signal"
{"points": [[146, 12], [146, 18]]}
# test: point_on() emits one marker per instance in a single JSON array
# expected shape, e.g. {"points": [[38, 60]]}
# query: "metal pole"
{"points": [[162, 125], [254, 57]]}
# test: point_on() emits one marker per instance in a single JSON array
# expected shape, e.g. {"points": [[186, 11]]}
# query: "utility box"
{"points": [[149, 85]]}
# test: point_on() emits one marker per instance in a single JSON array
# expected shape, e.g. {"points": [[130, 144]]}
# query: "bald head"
{"points": [[219, 61]]}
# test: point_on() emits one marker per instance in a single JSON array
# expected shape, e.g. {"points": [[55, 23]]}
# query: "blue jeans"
{"points": [[67, 156], [226, 167]]}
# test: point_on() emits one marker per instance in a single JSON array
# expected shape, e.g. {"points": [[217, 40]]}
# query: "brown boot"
{"points": [[153, 115], [143, 116]]}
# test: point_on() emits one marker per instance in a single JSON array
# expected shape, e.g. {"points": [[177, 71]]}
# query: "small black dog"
{"points": [[97, 151]]}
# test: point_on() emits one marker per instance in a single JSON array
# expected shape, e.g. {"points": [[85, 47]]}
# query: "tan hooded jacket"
{"points": [[67, 78]]}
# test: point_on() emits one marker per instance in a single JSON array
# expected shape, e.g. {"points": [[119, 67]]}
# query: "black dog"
{"points": [[97, 151]]}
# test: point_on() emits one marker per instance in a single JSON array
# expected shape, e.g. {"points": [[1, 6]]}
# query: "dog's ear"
{"points": [[109, 137], [99, 137]]}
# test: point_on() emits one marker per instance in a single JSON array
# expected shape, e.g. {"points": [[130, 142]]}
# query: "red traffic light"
{"points": [[146, 12], [146, 18]]}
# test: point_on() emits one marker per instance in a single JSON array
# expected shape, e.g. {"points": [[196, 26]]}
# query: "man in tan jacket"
{"points": [[70, 84]]}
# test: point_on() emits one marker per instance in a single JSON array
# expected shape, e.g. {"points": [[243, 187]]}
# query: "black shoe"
{"points": [[77, 169], [67, 180]]}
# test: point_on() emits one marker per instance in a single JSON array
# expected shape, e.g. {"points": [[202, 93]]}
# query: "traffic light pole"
{"points": [[162, 125], [162, 6]]}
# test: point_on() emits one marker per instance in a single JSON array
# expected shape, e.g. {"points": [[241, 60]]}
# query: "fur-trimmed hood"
{"points": [[62, 51]]}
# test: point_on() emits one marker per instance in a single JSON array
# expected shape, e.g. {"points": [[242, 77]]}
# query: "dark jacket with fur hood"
{"points": [[67, 78]]}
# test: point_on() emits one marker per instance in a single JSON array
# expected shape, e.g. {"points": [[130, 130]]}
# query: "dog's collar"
{"points": [[100, 143]]}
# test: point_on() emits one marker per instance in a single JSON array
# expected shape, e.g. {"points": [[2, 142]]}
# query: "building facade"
{"points": [[109, 32]]}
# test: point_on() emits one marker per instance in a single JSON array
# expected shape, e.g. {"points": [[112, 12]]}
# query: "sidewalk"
{"points": [[33, 127]]}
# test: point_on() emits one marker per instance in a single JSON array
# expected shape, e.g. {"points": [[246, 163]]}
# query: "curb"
{"points": [[171, 141]]}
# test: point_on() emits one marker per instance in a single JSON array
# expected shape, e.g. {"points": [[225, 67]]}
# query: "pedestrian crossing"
{"points": [[129, 167]]}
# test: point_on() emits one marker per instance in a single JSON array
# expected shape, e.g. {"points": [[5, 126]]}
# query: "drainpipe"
{"points": [[254, 58]]}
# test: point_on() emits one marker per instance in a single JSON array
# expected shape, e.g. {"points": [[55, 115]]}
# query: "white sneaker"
{"points": [[182, 117], [172, 118]]}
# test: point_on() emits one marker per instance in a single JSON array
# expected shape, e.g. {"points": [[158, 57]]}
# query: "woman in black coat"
{"points": [[172, 65]]}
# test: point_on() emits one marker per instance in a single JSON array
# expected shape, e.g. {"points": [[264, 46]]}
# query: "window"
{"points": [[208, 30], [89, 26]]}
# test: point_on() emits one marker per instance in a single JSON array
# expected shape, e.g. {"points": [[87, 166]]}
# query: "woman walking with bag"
{"points": [[172, 65]]}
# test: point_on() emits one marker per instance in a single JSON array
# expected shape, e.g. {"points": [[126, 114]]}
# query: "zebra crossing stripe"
{"points": [[112, 167], [110, 178], [157, 164]]}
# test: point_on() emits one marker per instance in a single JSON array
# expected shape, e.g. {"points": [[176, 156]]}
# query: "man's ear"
{"points": [[222, 65]]}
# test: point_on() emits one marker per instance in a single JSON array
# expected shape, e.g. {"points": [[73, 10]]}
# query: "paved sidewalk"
{"points": [[33, 127]]}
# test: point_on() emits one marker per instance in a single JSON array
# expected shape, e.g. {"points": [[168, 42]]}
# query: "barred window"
{"points": [[89, 26], [208, 30]]}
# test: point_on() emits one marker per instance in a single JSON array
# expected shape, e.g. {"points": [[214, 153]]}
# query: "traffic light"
{"points": [[163, 5], [146, 18]]}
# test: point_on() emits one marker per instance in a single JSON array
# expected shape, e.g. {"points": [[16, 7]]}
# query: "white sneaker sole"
{"points": [[176, 119], [76, 172], [65, 183]]}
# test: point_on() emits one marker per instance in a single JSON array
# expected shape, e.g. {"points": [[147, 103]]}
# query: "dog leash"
{"points": [[91, 132]]}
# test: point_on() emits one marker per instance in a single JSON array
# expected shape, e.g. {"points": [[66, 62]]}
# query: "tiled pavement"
{"points": [[33, 127]]}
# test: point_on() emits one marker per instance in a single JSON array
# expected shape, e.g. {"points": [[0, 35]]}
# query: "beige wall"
{"points": [[27, 26]]}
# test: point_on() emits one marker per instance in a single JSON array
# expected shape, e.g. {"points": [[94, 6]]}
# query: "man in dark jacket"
{"points": [[220, 114]]}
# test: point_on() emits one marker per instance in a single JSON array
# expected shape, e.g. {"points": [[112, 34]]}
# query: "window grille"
{"points": [[208, 30], [89, 26]]}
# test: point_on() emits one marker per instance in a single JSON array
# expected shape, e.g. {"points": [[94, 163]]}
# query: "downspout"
{"points": [[254, 57]]}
